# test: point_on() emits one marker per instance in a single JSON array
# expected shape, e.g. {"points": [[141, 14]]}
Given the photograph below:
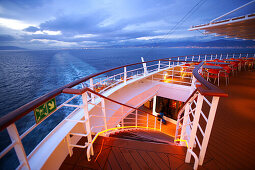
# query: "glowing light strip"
{"points": [[142, 127], [100, 150], [182, 140]]}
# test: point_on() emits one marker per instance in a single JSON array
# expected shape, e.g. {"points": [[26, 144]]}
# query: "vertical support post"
{"points": [[186, 58], [91, 87], [125, 75], [136, 117], [227, 56], [178, 61], [154, 106], [144, 67], [193, 86], [216, 56], [104, 113], [240, 55], [169, 63], [70, 148], [205, 57], [208, 129], [184, 124], [211, 57], [233, 55], [158, 65], [194, 126], [220, 56], [87, 123], [18, 147], [192, 58], [198, 58]]}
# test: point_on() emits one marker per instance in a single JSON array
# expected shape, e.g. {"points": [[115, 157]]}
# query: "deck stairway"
{"points": [[144, 135], [118, 153]]}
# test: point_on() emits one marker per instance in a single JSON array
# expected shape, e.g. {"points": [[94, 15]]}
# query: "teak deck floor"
{"points": [[231, 145]]}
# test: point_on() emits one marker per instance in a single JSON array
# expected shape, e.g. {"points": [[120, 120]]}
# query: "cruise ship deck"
{"points": [[231, 144]]}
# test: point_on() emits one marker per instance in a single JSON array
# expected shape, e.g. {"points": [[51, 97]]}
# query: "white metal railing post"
{"points": [[104, 112], [91, 87], [192, 58], [154, 106], [136, 117], [216, 56], [169, 63], [211, 56], [125, 75], [205, 57], [186, 58], [87, 123], [19, 149], [194, 126], [144, 67], [220, 56], [158, 65], [178, 61], [208, 129], [198, 58], [227, 56], [233, 55], [240, 56], [185, 120], [193, 85]]}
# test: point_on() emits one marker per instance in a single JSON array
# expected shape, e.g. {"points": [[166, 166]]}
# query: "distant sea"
{"points": [[26, 75]]}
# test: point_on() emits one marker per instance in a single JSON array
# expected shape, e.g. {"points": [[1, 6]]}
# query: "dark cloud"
{"points": [[31, 29], [5, 38]]}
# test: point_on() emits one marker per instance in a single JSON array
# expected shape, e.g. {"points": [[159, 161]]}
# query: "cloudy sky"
{"points": [[40, 24]]}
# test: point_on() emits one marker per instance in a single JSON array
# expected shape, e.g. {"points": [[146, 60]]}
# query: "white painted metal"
{"points": [[144, 67], [232, 11], [125, 75], [194, 126], [185, 120], [19, 149], [104, 113], [154, 106], [87, 124], [159, 65], [208, 129], [91, 87]]}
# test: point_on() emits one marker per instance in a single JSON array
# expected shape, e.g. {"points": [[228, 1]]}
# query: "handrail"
{"points": [[210, 90], [83, 90], [17, 114]]}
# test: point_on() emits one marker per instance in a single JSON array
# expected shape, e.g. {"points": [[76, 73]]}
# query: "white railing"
{"points": [[122, 78]]}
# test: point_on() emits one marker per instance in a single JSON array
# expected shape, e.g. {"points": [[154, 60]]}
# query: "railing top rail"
{"points": [[207, 88], [17, 114]]}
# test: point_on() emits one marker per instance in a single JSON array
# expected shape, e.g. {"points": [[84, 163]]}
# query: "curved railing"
{"points": [[206, 88], [25, 109]]}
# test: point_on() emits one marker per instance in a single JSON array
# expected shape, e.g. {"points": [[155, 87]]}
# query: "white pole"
{"points": [[159, 65], [125, 75], [18, 147], [185, 120], [104, 113], [208, 129], [194, 126], [154, 106], [144, 67], [87, 123], [91, 87]]}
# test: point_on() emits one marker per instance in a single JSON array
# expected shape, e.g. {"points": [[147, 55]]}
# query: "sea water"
{"points": [[27, 75]]}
